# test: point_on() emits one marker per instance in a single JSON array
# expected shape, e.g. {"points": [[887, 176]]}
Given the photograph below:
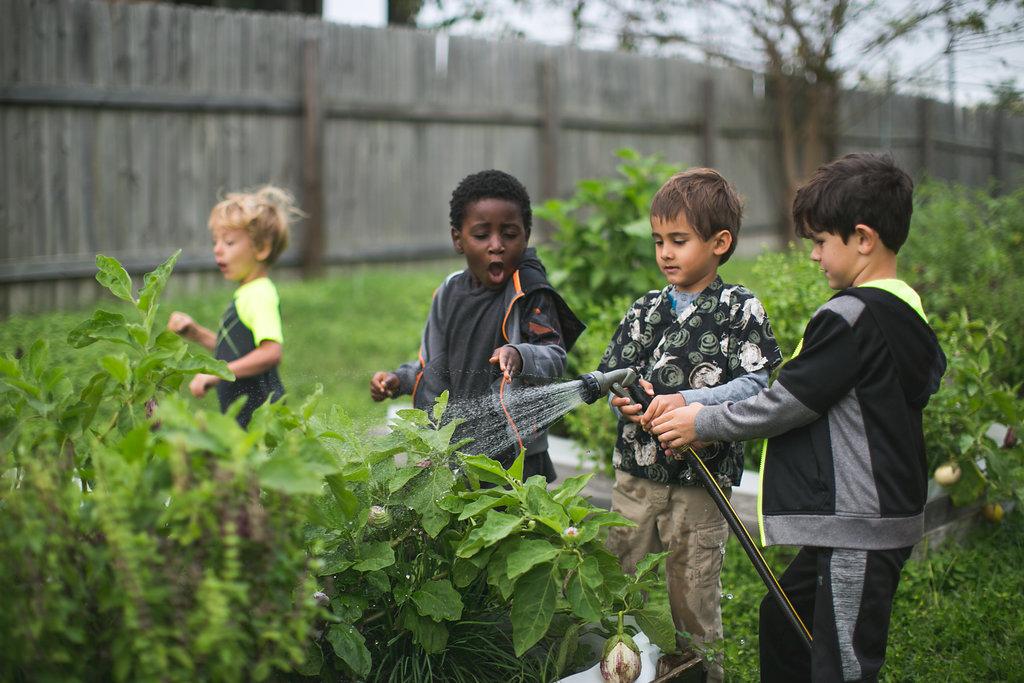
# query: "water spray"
{"points": [[624, 383]]}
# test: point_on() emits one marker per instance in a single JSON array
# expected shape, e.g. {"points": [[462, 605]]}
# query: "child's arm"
{"points": [[825, 370], [737, 389], [407, 377], [541, 354], [182, 324], [261, 359]]}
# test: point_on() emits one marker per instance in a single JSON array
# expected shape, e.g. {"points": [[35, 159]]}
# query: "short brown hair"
{"points": [[707, 200], [264, 213], [857, 189]]}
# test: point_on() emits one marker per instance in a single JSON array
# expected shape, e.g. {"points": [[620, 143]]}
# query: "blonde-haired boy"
{"points": [[250, 231]]}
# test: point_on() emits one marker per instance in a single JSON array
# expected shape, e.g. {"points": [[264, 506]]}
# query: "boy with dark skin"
{"points": [[843, 473], [499, 320]]}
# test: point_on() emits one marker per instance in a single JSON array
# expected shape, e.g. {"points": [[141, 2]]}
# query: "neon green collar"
{"points": [[901, 290]]}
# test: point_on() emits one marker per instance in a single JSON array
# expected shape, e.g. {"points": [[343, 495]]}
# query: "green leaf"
{"points": [[515, 470], [290, 475], [528, 554], [440, 404], [313, 661], [650, 562], [567, 648], [610, 519], [656, 622], [192, 363], [485, 502], [117, 366], [584, 599], [429, 634], [104, 326], [9, 366], [153, 285], [533, 607], [347, 501], [540, 505], [571, 486], [374, 556], [496, 526], [350, 647], [971, 484], [114, 277], [438, 600], [427, 494], [402, 477]]}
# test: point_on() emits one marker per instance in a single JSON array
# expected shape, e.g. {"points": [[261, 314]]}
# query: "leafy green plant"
{"points": [[791, 287], [419, 558], [970, 400], [602, 247], [963, 252], [141, 539]]}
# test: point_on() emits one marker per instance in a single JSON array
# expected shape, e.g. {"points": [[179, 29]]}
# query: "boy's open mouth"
{"points": [[496, 269]]}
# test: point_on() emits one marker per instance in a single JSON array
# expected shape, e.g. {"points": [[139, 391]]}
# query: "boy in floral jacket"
{"points": [[696, 340]]}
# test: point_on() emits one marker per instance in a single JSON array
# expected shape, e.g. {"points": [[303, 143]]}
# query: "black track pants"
{"points": [[845, 598]]}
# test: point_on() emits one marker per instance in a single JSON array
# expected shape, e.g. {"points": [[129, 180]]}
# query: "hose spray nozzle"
{"points": [[597, 384]]}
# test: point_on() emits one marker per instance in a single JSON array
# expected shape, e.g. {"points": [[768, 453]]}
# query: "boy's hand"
{"points": [[661, 405], [383, 385], [508, 360], [200, 383], [181, 323], [629, 409], [676, 428]]}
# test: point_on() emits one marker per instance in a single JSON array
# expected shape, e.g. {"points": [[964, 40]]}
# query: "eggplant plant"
{"points": [[428, 540]]}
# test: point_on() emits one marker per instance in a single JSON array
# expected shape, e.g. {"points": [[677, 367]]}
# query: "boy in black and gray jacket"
{"points": [[499, 320], [844, 472]]}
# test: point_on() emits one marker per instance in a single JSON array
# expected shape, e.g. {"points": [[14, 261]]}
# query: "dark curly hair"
{"points": [[489, 184], [867, 189]]}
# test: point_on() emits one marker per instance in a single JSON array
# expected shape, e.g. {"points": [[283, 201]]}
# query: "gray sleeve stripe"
{"points": [[849, 308], [769, 413]]}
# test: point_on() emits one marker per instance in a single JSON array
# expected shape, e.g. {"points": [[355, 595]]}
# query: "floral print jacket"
{"points": [[722, 334]]}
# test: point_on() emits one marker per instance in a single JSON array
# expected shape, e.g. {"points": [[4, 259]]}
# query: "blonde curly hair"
{"points": [[265, 214]]}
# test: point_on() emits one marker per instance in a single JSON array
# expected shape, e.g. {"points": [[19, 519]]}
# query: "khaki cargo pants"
{"points": [[684, 521]]}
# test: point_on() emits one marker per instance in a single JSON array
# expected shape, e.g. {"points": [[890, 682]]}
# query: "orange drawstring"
{"points": [[501, 399]]}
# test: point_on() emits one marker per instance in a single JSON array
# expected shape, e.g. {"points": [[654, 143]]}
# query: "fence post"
{"points": [[925, 143], [709, 130], [312, 159], [551, 128], [998, 154]]}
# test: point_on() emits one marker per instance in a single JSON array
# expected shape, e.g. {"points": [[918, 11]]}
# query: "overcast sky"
{"points": [[918, 64]]}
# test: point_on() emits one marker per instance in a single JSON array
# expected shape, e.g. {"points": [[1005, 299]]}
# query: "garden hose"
{"points": [[637, 395], [508, 416]]}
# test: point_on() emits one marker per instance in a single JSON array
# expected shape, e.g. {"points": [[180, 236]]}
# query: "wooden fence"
{"points": [[122, 123]]}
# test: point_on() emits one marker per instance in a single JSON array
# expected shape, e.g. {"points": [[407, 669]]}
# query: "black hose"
{"points": [[638, 395]]}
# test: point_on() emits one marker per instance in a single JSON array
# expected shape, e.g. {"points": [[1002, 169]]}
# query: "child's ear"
{"points": [[263, 252], [457, 240], [867, 238], [721, 242]]}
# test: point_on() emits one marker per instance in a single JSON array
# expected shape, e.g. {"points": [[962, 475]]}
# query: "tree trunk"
{"points": [[403, 12]]}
